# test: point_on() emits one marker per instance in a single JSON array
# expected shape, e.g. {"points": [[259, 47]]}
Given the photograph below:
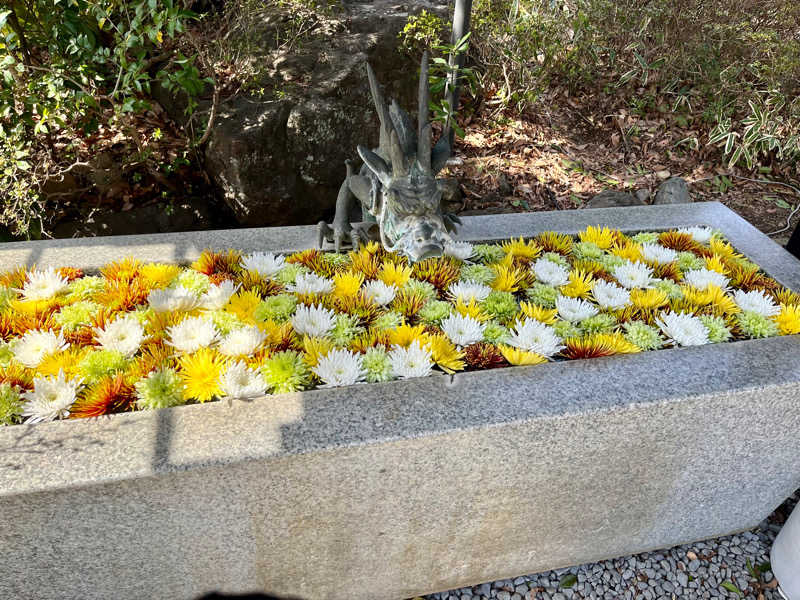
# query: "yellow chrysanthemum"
{"points": [[579, 286], [541, 314], [696, 297], [630, 251], [551, 241], [394, 274], [157, 275], [243, 304], [405, 334], [715, 263], [788, 319], [66, 361], [507, 278], [721, 302], [275, 332], [200, 373], [470, 309], [445, 354], [370, 247], [723, 249], [597, 345], [604, 238], [648, 299], [518, 357], [347, 284], [522, 249], [314, 348], [34, 307]]}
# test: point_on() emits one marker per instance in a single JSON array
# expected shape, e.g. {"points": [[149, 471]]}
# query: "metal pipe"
{"points": [[461, 23]]}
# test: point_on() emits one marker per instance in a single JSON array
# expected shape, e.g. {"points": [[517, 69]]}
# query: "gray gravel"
{"points": [[712, 569]]}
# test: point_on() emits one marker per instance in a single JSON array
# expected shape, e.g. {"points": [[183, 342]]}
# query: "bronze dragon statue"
{"points": [[396, 186]]}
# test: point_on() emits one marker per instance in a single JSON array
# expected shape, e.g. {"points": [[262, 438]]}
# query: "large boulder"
{"points": [[279, 159]]}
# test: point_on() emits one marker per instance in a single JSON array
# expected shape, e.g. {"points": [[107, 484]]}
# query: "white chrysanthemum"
{"points": [[50, 399], [124, 335], [702, 278], [534, 336], [175, 299], [469, 290], [462, 330], [609, 295], [756, 301], [240, 382], [311, 283], [634, 275], [217, 296], [574, 309], [34, 345], [683, 329], [243, 341], [380, 293], [658, 254], [550, 273], [699, 234], [316, 321], [191, 334], [413, 361], [340, 367], [43, 284], [459, 250], [265, 264]]}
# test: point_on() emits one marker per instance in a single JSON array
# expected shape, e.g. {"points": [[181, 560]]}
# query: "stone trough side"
{"points": [[391, 490]]}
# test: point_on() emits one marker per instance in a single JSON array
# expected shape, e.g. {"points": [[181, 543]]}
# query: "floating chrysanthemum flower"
{"points": [[340, 367], [446, 356], [469, 290], [345, 329], [580, 284], [717, 328], [599, 323], [543, 295], [34, 345], [756, 301], [527, 249], [533, 336], [239, 382], [788, 320], [191, 334], [161, 388], [243, 341], [315, 321], [286, 372], [43, 284], [244, 304], [521, 358], [347, 284], [177, 299], [575, 309], [500, 305], [645, 237], [380, 293], [603, 237], [459, 250], [392, 320], [86, 288], [159, 275], [98, 363], [311, 283], [200, 373], [642, 335], [394, 274], [687, 261], [489, 253], [265, 264], [462, 330], [507, 278], [217, 296], [633, 275], [495, 333], [658, 254], [76, 315], [540, 313], [649, 298], [124, 335], [10, 405], [702, 235], [50, 399], [411, 361], [565, 329], [611, 296], [471, 309], [597, 345], [377, 365], [683, 329], [755, 325], [289, 273], [278, 308], [550, 273], [477, 274]]}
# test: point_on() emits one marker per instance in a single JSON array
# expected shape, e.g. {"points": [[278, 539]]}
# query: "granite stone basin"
{"points": [[386, 491]]}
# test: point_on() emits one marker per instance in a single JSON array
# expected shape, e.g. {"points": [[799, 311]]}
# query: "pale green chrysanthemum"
{"points": [[687, 261], [423, 288], [494, 333], [85, 288], [192, 280], [6, 296], [488, 253], [587, 251], [611, 261], [643, 335], [10, 405], [599, 323], [377, 365], [99, 363], [75, 315], [645, 237], [717, 329], [389, 320], [556, 258], [565, 329], [6, 353], [477, 273], [434, 312], [160, 389], [286, 372], [142, 314], [224, 321], [746, 264], [500, 305], [754, 325], [289, 273], [336, 259], [670, 288], [543, 295], [345, 328], [278, 308]]}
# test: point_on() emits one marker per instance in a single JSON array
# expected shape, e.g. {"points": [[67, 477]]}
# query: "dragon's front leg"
{"points": [[340, 230]]}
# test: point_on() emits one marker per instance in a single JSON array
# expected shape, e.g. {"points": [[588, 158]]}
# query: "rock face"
{"points": [[279, 159], [610, 198], [674, 190]]}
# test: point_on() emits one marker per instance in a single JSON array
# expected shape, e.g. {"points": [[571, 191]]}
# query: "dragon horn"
{"points": [[380, 105], [424, 127]]}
